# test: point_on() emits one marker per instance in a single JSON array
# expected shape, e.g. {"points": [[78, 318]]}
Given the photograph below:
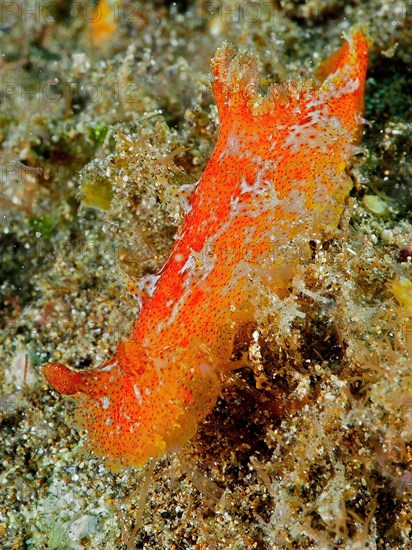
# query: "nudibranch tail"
{"points": [[130, 419], [96, 383], [62, 378], [276, 179]]}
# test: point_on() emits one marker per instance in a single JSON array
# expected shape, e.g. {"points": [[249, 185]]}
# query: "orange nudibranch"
{"points": [[276, 179]]}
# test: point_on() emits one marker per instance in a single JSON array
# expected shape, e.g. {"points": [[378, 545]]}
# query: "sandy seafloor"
{"points": [[312, 447]]}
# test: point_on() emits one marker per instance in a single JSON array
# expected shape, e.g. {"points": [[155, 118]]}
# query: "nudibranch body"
{"points": [[276, 179]]}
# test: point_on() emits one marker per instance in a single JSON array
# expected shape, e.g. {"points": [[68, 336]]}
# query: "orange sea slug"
{"points": [[276, 179]]}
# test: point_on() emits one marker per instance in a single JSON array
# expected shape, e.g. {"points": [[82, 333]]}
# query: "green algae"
{"points": [[96, 191], [42, 225], [376, 205]]}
